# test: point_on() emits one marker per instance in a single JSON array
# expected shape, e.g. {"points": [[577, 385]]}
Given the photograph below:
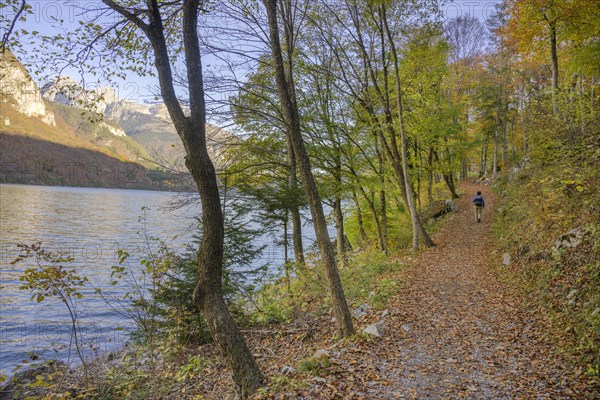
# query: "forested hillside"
{"points": [[381, 119]]}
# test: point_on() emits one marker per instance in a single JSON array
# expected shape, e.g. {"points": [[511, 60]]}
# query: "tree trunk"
{"points": [[414, 217], [295, 209], [292, 119], [208, 294], [286, 258], [554, 56], [391, 151], [419, 175], [523, 129], [449, 179], [382, 201], [484, 150], [339, 227], [430, 178], [593, 98], [381, 242], [504, 144], [495, 164], [384, 224], [582, 121], [359, 218]]}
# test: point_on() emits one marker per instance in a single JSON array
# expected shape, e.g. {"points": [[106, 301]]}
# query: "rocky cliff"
{"points": [[19, 92], [149, 124]]}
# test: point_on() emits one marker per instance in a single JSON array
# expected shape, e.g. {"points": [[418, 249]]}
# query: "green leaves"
{"points": [[49, 278]]}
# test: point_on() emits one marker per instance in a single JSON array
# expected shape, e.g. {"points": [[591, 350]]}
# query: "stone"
{"points": [[385, 313], [451, 204], [287, 370], [375, 329], [361, 311], [572, 297], [405, 327], [569, 240], [21, 380], [438, 209], [322, 353], [506, 259]]}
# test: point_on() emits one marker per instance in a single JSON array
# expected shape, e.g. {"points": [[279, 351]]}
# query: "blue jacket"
{"points": [[479, 197]]}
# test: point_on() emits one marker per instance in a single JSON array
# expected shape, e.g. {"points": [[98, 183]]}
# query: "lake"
{"points": [[90, 225]]}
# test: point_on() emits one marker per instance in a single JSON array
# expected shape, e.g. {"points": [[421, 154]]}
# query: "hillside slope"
{"points": [[549, 232], [44, 143], [147, 124]]}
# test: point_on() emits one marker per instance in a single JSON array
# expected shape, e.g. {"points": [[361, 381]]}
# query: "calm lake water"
{"points": [[90, 225]]}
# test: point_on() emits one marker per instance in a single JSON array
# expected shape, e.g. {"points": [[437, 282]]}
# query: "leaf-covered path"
{"points": [[455, 331]]}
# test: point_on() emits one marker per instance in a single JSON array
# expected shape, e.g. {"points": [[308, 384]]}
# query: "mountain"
{"points": [[149, 124], [45, 142]]}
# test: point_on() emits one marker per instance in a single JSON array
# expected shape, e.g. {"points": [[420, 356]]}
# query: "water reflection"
{"points": [[90, 225]]}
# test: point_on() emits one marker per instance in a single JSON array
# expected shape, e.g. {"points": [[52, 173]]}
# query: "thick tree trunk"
{"points": [[286, 14], [208, 293], [291, 117]]}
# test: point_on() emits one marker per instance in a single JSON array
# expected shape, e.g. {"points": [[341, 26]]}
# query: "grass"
{"points": [[370, 277]]}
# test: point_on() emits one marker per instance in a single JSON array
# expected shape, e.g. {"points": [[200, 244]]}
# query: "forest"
{"points": [[381, 119]]}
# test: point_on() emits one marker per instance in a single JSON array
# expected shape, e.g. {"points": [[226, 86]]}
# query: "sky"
{"points": [[45, 13]]}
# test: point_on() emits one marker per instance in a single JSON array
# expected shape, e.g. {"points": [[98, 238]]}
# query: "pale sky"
{"points": [[45, 13]]}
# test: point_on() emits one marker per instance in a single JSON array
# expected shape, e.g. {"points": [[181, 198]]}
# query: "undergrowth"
{"points": [[369, 278], [552, 196]]}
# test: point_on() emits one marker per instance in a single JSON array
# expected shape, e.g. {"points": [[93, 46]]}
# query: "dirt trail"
{"points": [[456, 332]]}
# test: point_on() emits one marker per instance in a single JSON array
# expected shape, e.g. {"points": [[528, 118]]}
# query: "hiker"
{"points": [[479, 205]]}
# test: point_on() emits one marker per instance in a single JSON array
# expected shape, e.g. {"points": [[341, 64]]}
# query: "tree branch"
{"points": [[131, 16], [12, 25]]}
